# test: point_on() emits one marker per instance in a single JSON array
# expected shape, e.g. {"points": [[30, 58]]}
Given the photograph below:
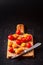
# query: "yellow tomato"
{"points": [[18, 51], [23, 44], [25, 35], [14, 45], [15, 35], [10, 44]]}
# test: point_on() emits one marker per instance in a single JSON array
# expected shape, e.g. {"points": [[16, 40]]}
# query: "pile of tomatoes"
{"points": [[20, 40]]}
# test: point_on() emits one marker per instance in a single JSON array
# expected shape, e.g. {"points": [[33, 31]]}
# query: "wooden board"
{"points": [[29, 54]]}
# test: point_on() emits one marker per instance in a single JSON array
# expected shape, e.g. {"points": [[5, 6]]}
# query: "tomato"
{"points": [[11, 37], [14, 45], [19, 38], [28, 45], [10, 44], [18, 51], [18, 42], [11, 49], [23, 44], [18, 32], [23, 39], [15, 36], [28, 38]]}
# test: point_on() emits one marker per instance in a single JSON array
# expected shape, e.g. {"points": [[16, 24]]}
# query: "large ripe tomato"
{"points": [[11, 37], [11, 49], [28, 45]]}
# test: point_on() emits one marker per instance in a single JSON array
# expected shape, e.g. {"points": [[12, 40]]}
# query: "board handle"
{"points": [[20, 27]]}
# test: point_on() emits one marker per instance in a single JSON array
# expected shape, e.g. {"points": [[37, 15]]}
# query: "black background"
{"points": [[30, 13]]}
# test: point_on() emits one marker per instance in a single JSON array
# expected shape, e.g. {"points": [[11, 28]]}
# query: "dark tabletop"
{"points": [[32, 18]]}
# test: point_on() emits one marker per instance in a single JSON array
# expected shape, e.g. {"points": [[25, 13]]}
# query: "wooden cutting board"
{"points": [[29, 54]]}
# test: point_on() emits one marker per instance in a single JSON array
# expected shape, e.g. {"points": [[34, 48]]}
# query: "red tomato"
{"points": [[11, 37], [28, 45], [23, 39], [11, 49], [18, 42], [28, 38], [18, 32]]}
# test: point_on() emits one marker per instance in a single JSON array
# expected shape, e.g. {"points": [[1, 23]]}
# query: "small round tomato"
{"points": [[18, 42], [28, 38], [11, 49], [18, 32], [23, 44], [10, 44], [15, 36], [19, 38], [18, 51], [28, 45], [14, 45], [11, 37], [23, 39]]}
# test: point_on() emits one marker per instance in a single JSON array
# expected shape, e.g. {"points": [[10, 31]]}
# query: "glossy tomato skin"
{"points": [[11, 37], [18, 42], [18, 32], [23, 39], [28, 38], [11, 49], [28, 45]]}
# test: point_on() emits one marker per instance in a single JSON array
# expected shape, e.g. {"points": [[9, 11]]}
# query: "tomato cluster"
{"points": [[23, 41]]}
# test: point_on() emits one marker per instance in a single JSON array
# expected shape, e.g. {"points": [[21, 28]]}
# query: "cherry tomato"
{"points": [[23, 39], [28, 38], [11, 37], [28, 45], [18, 32], [10, 44], [19, 38], [18, 42], [23, 44], [14, 45], [11, 49]]}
